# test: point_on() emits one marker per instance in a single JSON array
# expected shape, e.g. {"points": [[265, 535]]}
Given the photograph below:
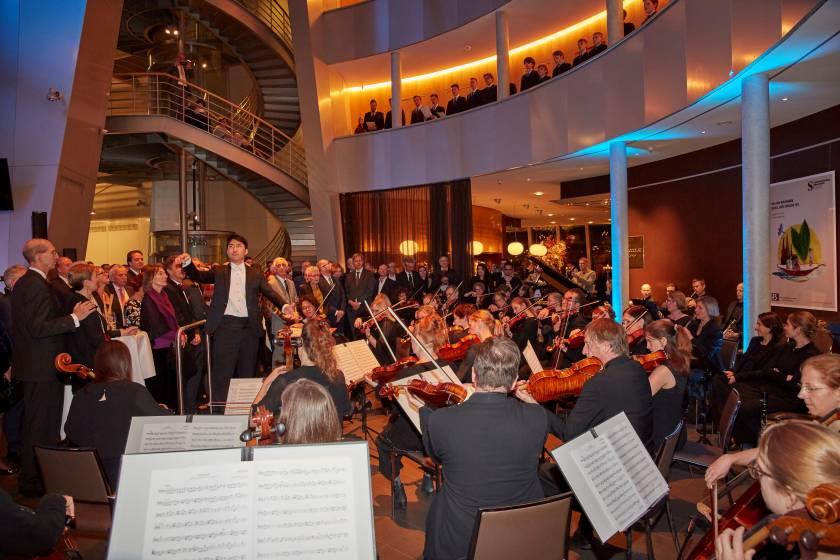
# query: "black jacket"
{"points": [[456, 105], [488, 95], [560, 68], [474, 99], [377, 118], [388, 123], [337, 389], [38, 328], [707, 344], [26, 532], [84, 341], [362, 290], [529, 79], [490, 449], [255, 284]]}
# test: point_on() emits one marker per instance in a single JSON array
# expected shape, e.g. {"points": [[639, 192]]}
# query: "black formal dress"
{"points": [[337, 389], [529, 80], [457, 105], [358, 286], [391, 331], [668, 407], [27, 532], [560, 68], [748, 366], [376, 118], [38, 330], [490, 448], [100, 417], [235, 338]]}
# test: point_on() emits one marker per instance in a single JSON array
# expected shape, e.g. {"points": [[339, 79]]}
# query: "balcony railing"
{"points": [[164, 95], [271, 13]]}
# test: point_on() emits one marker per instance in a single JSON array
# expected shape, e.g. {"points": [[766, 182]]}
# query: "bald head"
{"points": [[40, 254]]}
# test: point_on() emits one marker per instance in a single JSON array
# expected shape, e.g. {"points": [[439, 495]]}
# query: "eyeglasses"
{"points": [[755, 471], [810, 388]]}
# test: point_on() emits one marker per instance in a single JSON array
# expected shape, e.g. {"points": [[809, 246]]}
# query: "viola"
{"points": [[651, 361], [384, 374], [64, 363], [635, 336], [437, 395], [458, 351], [575, 341], [264, 430], [551, 384]]}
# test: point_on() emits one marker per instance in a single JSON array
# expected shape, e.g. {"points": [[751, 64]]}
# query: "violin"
{"points": [[384, 374], [651, 361], [437, 395], [552, 384], [635, 336], [458, 351], [575, 341], [64, 363]]}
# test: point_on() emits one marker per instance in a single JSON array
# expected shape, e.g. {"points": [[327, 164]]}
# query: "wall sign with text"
{"points": [[636, 250]]}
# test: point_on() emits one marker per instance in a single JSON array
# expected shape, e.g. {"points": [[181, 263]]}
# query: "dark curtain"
{"points": [[438, 218]]}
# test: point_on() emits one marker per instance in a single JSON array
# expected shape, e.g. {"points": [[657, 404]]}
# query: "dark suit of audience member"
{"points": [[377, 118], [27, 532], [358, 286], [474, 99], [512, 284], [488, 95], [335, 301], [116, 305], [490, 447], [135, 279], [417, 116], [195, 355], [545, 78], [580, 59], [62, 290], [529, 79], [560, 68], [629, 28], [596, 50], [438, 112], [412, 283], [38, 336], [386, 286], [235, 350], [83, 343], [388, 122], [456, 105], [100, 417]]}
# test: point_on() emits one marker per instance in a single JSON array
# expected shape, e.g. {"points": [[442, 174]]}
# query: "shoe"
{"points": [[10, 470], [428, 485], [398, 491]]}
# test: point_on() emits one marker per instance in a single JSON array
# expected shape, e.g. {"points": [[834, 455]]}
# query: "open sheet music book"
{"points": [[151, 434], [355, 360], [412, 405], [241, 393], [612, 475], [273, 501], [531, 358]]}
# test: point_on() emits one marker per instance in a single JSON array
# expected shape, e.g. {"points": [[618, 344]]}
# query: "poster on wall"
{"points": [[803, 249], [636, 251]]}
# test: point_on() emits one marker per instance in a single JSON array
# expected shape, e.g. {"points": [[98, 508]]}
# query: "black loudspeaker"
{"points": [[39, 225], [70, 253], [5, 186]]}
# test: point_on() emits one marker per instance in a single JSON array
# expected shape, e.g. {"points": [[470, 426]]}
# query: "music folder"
{"points": [[612, 475], [152, 434], [273, 501]]}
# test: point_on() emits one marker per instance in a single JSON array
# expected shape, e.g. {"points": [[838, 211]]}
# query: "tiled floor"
{"points": [[402, 536]]}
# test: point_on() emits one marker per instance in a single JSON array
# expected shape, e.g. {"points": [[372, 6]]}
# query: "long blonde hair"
{"points": [[309, 414], [800, 455]]}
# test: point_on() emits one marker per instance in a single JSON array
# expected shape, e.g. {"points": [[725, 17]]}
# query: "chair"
{"points": [[728, 353], [426, 464], [537, 530], [702, 455], [664, 459], [78, 472]]}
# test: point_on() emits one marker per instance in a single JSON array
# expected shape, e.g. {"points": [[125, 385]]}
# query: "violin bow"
{"points": [[323, 301], [415, 339], [636, 320], [381, 334]]}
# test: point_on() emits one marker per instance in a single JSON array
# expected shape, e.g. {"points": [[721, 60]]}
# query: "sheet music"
{"points": [[531, 358], [643, 472], [355, 360], [153, 434], [412, 405], [241, 393], [164, 437]]}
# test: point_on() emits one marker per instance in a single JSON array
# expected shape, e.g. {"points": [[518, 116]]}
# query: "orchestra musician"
{"points": [[499, 308], [668, 381], [706, 332], [478, 295], [308, 310], [565, 321], [484, 467], [317, 364], [399, 432], [460, 321], [523, 326], [484, 326], [793, 458], [675, 307], [634, 320], [387, 328], [308, 414], [27, 532]]}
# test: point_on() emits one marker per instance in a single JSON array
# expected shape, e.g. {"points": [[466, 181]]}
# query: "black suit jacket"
{"points": [[580, 59], [62, 291], [456, 105], [388, 288], [363, 290], [389, 123], [438, 111], [377, 118], [38, 328], [474, 99], [488, 95], [181, 301], [116, 306], [597, 50], [417, 116], [560, 68], [402, 280], [332, 303], [529, 79], [85, 341], [622, 386], [255, 284], [490, 448]]}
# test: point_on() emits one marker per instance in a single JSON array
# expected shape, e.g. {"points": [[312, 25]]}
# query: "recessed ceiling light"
{"points": [[551, 215], [785, 98], [527, 179], [552, 222], [539, 193], [589, 222], [572, 219], [702, 132]]}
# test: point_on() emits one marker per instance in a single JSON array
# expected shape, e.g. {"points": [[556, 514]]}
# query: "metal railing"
{"points": [[271, 13], [179, 364], [275, 248], [164, 95]]}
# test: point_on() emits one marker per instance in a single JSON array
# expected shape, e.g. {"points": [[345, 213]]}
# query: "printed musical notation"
{"points": [[355, 360], [154, 434]]}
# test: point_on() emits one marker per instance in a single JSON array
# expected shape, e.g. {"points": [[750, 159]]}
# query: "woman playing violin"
{"points": [[478, 295], [387, 326], [523, 326], [499, 308], [668, 380], [635, 319], [484, 326], [792, 459], [460, 321], [308, 309], [308, 413]]}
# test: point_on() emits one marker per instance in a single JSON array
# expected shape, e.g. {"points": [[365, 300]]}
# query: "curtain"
{"points": [[436, 218]]}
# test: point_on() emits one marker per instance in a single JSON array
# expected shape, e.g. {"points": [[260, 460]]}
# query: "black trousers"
{"points": [[42, 402], [162, 385], [234, 354]]}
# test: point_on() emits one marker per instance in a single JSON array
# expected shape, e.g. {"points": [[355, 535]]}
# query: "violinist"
{"points": [[792, 459], [499, 308], [668, 381], [484, 326], [566, 322], [489, 448], [387, 328], [317, 363], [308, 309], [775, 387], [460, 321], [308, 413], [523, 326], [404, 308], [819, 390], [450, 299], [634, 320], [399, 433], [675, 307], [478, 295]]}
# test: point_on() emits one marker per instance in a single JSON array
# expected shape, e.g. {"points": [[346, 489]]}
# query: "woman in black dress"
{"points": [[635, 320], [668, 381]]}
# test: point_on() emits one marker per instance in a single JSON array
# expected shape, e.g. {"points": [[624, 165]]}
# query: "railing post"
{"points": [[179, 362]]}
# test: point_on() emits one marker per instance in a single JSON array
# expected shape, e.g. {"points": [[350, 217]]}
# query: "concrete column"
{"points": [[755, 197], [502, 54], [618, 233], [615, 21], [396, 89]]}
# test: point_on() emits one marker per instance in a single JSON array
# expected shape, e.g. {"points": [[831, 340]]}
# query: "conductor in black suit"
{"points": [[234, 319], [458, 103], [489, 447], [376, 118], [359, 286], [38, 330]]}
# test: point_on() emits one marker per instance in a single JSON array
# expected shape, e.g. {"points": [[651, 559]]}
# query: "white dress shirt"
{"points": [[236, 305]]}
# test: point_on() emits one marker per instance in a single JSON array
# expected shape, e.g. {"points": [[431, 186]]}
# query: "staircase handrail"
{"points": [[157, 93], [271, 13]]}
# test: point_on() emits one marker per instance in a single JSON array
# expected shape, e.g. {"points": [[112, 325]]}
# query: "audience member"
{"points": [[157, 318], [420, 113], [436, 111], [530, 78], [488, 94], [59, 279], [360, 127], [134, 259], [629, 27], [598, 44], [560, 64], [458, 103], [582, 54], [374, 119], [388, 123], [542, 72], [650, 7], [474, 95]]}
